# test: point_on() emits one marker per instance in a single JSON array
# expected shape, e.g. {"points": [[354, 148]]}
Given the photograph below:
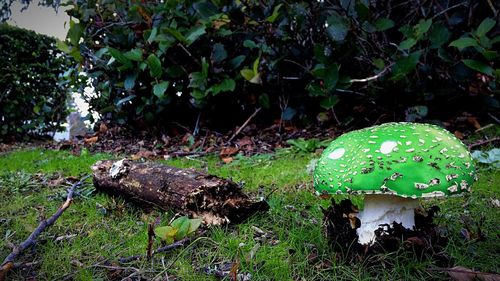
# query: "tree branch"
{"points": [[374, 77], [8, 263]]}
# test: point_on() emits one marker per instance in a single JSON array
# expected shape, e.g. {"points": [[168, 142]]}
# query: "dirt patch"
{"points": [[424, 241]]}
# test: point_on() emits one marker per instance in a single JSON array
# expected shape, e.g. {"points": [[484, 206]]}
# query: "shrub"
{"points": [[153, 62], [32, 100]]}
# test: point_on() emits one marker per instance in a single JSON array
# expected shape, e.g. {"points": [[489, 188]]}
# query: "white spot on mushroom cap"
{"points": [[337, 153], [387, 146]]}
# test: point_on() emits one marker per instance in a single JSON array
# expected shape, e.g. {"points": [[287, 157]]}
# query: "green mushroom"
{"points": [[393, 165]]}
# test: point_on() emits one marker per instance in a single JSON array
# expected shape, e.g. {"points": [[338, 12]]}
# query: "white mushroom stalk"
{"points": [[385, 209]]}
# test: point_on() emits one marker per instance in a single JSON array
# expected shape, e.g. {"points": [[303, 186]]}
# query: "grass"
{"points": [[292, 248]]}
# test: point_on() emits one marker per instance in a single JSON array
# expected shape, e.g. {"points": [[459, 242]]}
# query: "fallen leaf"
{"points": [[458, 134], [143, 154], [473, 121], [460, 273], [244, 141], [227, 160], [233, 273], [91, 140], [103, 128], [228, 151]]}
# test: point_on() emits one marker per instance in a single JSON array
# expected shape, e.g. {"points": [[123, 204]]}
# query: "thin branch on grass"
{"points": [[483, 142], [181, 253], [245, 124], [8, 263], [374, 77], [175, 245]]}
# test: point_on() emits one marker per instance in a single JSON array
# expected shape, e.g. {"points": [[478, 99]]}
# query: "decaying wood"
{"points": [[215, 200], [8, 263]]}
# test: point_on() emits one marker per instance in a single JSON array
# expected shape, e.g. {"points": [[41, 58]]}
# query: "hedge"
{"points": [[156, 62], [32, 98]]}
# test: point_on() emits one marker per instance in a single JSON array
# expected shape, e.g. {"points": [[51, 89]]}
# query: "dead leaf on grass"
{"points": [[228, 151], [227, 160], [460, 273], [146, 154]]}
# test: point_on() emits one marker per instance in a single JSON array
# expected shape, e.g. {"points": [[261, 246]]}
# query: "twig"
{"points": [[494, 118], [151, 234], [492, 7], [449, 8], [244, 124], [8, 263], [189, 53], [110, 25], [374, 77], [167, 248], [482, 142]]}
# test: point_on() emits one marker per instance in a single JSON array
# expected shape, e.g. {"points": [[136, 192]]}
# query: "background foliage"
{"points": [[32, 99], [153, 62]]}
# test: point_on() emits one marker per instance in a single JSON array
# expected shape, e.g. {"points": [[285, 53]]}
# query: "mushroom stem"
{"points": [[384, 209]]}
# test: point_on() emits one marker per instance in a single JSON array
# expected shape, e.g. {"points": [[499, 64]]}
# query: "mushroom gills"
{"points": [[384, 209]]}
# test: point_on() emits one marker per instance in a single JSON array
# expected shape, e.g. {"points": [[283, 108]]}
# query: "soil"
{"points": [[424, 241]]}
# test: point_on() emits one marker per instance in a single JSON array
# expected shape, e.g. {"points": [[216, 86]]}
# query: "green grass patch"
{"points": [[292, 245]]}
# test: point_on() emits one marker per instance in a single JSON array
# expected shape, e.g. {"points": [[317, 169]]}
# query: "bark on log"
{"points": [[215, 200]]}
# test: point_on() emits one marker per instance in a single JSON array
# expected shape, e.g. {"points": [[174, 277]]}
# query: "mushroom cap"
{"points": [[405, 159]]}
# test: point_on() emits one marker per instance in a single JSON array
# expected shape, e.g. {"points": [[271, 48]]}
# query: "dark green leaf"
{"points": [[288, 114], [177, 35], [405, 65], [329, 102], [134, 54], [464, 42], [197, 94], [479, 66], [194, 33], [160, 88], [439, 35], [219, 53], [337, 27], [61, 45], [422, 27], [121, 58], [275, 14], [264, 101], [152, 35], [486, 25], [124, 100], [75, 32], [490, 55], [227, 85], [130, 81], [407, 44], [329, 75], [154, 65], [250, 44], [205, 9], [236, 61], [197, 80], [383, 24]]}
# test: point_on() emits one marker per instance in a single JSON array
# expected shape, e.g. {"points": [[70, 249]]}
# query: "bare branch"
{"points": [[374, 77], [8, 263]]}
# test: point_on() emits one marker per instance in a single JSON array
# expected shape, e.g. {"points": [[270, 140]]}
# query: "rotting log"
{"points": [[215, 200]]}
